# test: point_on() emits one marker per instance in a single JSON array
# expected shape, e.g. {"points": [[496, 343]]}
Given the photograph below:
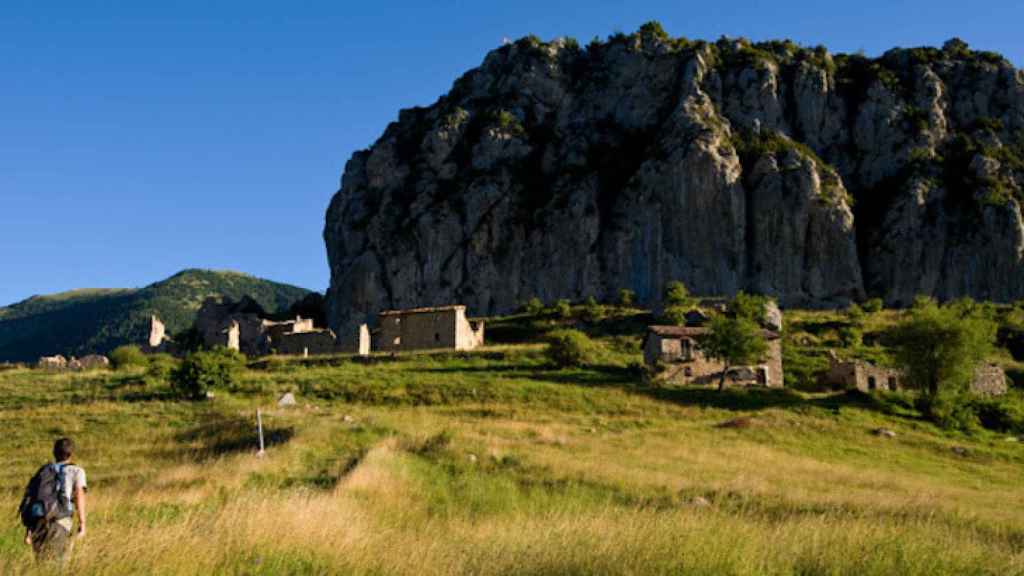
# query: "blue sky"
{"points": [[140, 138]]}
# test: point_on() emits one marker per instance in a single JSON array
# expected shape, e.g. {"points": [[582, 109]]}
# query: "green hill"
{"points": [[97, 320]]}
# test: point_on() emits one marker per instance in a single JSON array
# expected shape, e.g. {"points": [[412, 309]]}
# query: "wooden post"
{"points": [[259, 426]]}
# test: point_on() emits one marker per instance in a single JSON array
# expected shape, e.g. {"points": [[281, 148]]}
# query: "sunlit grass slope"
{"points": [[493, 463]]}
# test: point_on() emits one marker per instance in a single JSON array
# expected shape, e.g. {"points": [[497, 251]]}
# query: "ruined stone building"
{"points": [[863, 376], [675, 350], [243, 326], [443, 327], [989, 379]]}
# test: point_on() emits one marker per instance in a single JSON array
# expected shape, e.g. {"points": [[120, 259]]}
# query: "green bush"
{"points": [[563, 309], [949, 411], [873, 305], [201, 371], [570, 348], [626, 297], [1003, 414], [533, 306], [127, 356], [592, 311], [160, 366]]}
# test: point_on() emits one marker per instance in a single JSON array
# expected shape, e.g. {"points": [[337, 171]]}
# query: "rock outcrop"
{"points": [[562, 172]]}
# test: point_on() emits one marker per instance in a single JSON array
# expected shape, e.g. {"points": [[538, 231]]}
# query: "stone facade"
{"points": [[306, 343], [444, 327], [676, 350], [57, 362], [989, 380]]}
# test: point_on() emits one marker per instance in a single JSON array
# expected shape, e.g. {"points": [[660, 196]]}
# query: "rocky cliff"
{"points": [[561, 172]]}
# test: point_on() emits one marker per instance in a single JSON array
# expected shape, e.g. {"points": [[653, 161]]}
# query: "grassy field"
{"points": [[493, 463]]}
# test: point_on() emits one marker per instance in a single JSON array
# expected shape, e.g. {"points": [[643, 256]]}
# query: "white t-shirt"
{"points": [[74, 478]]}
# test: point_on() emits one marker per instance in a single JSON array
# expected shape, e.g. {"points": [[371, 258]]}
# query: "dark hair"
{"points": [[62, 449]]}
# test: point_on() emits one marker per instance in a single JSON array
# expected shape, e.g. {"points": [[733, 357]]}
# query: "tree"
{"points": [[939, 347], [734, 341], [749, 306], [676, 294]]}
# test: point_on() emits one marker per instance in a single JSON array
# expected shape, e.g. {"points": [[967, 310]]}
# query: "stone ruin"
{"points": [[675, 352], [244, 326], [989, 379], [59, 363], [436, 328]]}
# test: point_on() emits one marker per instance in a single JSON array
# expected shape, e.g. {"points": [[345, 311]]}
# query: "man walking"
{"points": [[54, 495]]}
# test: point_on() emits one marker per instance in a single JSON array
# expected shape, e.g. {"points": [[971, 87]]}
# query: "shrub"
{"points": [[127, 356], [851, 336], [201, 371], [626, 297], [1004, 414], [592, 311], [873, 305], [563, 309], [533, 306], [949, 411], [570, 348], [160, 366]]}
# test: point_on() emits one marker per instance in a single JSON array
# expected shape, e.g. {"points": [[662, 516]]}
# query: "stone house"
{"points": [[438, 328], [676, 351]]}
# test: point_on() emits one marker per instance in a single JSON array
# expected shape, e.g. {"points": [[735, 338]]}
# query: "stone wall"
{"points": [[860, 375], [304, 343], [428, 329], [989, 380]]}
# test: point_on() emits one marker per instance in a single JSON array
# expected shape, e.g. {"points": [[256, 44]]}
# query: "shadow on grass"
{"points": [[223, 436]]}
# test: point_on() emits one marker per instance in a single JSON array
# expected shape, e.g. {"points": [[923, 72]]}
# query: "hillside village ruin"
{"points": [[672, 353], [243, 326]]}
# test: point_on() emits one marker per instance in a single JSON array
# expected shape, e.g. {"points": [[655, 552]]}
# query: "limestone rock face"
{"points": [[560, 172]]}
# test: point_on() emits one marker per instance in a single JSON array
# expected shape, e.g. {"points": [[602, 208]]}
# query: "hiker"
{"points": [[53, 496]]}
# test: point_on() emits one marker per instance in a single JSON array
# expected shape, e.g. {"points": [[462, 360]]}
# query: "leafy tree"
{"points": [[570, 348], [675, 315], [533, 306], [735, 341], [626, 297], [201, 371], [676, 294], [939, 347], [749, 306]]}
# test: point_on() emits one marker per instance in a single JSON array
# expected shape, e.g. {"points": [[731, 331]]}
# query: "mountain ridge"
{"points": [[95, 320]]}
